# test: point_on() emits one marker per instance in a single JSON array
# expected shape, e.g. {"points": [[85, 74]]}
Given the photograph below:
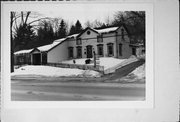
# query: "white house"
{"points": [[108, 42]]}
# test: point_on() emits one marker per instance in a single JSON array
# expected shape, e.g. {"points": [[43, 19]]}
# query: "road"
{"points": [[73, 91], [79, 89]]}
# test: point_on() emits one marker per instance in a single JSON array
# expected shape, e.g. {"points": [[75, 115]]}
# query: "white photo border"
{"points": [[39, 6]]}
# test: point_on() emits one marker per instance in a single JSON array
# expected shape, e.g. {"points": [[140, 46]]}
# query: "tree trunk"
{"points": [[12, 45]]}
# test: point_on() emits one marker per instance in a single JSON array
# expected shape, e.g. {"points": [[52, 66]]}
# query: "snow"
{"points": [[23, 51], [49, 71], [73, 35], [106, 30], [107, 62], [139, 72], [48, 47], [136, 75]]}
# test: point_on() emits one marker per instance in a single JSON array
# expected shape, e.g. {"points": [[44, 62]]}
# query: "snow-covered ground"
{"points": [[49, 71], [107, 62], [136, 75]]}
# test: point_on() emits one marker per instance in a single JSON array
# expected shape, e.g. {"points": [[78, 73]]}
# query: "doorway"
{"points": [[89, 51], [36, 59]]}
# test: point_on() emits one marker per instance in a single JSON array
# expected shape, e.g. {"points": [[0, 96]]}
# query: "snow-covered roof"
{"points": [[49, 46], [106, 30], [73, 35], [42, 48], [23, 51]]}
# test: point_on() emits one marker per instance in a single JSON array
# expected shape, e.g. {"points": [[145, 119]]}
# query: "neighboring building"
{"points": [[35, 56], [108, 42]]}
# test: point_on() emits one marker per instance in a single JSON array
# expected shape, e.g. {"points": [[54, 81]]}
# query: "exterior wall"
{"points": [[109, 38], [58, 54], [126, 49], [21, 59]]}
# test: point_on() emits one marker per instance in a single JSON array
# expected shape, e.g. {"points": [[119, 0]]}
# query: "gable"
{"points": [[88, 33], [35, 50], [119, 30]]}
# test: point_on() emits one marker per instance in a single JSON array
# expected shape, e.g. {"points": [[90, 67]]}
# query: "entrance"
{"points": [[89, 51], [36, 59]]}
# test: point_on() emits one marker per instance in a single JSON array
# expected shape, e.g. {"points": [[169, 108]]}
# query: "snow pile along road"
{"points": [[49, 71], [137, 75]]}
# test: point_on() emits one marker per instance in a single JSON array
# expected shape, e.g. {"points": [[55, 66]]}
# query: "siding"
{"points": [[126, 49], [58, 54]]}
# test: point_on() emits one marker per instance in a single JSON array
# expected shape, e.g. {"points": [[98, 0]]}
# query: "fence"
{"points": [[78, 66]]}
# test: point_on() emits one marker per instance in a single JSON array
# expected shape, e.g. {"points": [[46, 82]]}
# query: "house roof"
{"points": [[23, 51], [49, 46], [107, 30]]}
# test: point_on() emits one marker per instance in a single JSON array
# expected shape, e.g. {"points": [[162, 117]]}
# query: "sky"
{"points": [[82, 12]]}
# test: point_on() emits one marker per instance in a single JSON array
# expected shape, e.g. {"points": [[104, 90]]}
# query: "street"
{"points": [[109, 87], [48, 90]]}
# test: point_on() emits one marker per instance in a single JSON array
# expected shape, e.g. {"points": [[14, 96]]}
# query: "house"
{"points": [[108, 42], [35, 56]]}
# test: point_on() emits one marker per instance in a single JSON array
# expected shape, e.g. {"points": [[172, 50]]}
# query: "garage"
{"points": [[36, 58]]}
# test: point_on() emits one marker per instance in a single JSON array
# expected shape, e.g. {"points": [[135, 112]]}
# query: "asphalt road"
{"points": [[61, 91], [79, 89]]}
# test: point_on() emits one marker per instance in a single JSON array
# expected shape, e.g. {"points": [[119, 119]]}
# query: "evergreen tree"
{"points": [[23, 36], [62, 31], [72, 30], [45, 34], [78, 27]]}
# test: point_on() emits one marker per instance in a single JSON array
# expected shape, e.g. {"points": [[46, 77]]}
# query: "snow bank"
{"points": [[139, 72], [107, 62], [136, 75], [53, 71]]}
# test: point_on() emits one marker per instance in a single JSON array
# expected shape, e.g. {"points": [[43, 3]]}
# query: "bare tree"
{"points": [[18, 21]]}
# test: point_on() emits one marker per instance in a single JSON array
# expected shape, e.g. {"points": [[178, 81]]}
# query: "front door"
{"points": [[89, 51]]}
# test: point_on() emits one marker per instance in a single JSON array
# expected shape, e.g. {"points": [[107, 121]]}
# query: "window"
{"points": [[70, 52], [110, 49], [133, 51], [99, 38], [120, 49], [100, 49], [79, 52], [78, 41], [122, 34], [88, 32]]}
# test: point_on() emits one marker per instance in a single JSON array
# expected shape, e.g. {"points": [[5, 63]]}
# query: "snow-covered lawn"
{"points": [[53, 71], [107, 62], [136, 75]]}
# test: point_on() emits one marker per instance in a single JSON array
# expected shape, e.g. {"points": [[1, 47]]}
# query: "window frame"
{"points": [[98, 51], [69, 52], [78, 41], [108, 51], [120, 51], [77, 51], [99, 38]]}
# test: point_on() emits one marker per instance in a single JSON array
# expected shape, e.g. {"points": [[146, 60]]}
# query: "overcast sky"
{"points": [[82, 12]]}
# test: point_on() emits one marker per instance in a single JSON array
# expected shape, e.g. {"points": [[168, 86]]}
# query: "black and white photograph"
{"points": [[90, 61], [86, 55]]}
